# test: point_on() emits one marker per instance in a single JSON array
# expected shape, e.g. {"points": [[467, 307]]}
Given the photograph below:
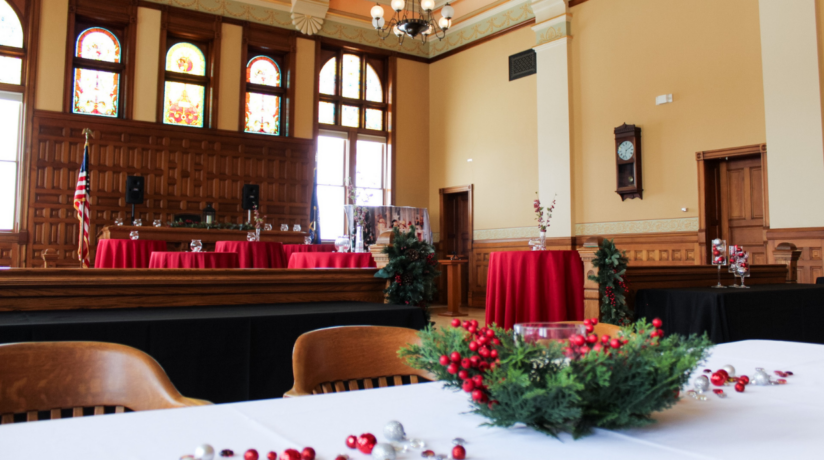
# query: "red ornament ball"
{"points": [[718, 379], [473, 346], [463, 375], [456, 322], [739, 387], [656, 323], [272, 455], [577, 340], [594, 321], [290, 454], [251, 454], [307, 454], [458, 453], [723, 372], [592, 339], [351, 442], [744, 379], [341, 457], [452, 369], [366, 442], [468, 385]]}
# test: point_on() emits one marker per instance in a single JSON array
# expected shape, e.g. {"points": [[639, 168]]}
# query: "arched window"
{"points": [[97, 71], [11, 110], [185, 85], [264, 94], [11, 36], [356, 99]]}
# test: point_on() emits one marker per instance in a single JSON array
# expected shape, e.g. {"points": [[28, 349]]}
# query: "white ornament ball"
{"points": [[761, 378], [701, 383], [394, 431], [383, 451], [204, 452], [730, 370]]}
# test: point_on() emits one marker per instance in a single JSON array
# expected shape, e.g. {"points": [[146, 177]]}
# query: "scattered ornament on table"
{"points": [[351, 441], [366, 442], [187, 457], [780, 374], [272, 455], [427, 454], [251, 454], [720, 393], [342, 457], [227, 453], [458, 441], [692, 394], [307, 454], [394, 431], [722, 372], [458, 452], [728, 369], [739, 387], [708, 371], [402, 447], [204, 452], [383, 451], [718, 379], [761, 378], [417, 443], [744, 379], [789, 373], [781, 381], [290, 454], [701, 383]]}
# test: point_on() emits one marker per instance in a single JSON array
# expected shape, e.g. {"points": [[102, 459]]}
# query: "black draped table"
{"points": [[221, 354], [793, 312]]}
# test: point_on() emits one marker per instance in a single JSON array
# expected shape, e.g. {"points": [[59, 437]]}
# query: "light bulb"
{"points": [[428, 5], [397, 31], [377, 11], [447, 11], [398, 5], [444, 23], [378, 23]]}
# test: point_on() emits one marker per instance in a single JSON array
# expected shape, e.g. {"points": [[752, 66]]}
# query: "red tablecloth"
{"points": [[255, 254], [194, 260], [126, 253], [526, 286], [289, 249], [331, 260]]}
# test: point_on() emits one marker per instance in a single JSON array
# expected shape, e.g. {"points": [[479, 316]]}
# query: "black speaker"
{"points": [[251, 192], [134, 190]]}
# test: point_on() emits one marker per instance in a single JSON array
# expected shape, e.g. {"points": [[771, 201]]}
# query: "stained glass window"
{"points": [[350, 116], [326, 113], [263, 71], [98, 44], [10, 68], [374, 89], [11, 32], [351, 76], [96, 92], [183, 104], [328, 77], [262, 113], [186, 58], [374, 119]]}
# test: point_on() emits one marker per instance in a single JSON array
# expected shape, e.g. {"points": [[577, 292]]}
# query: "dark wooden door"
{"points": [[456, 236], [742, 206]]}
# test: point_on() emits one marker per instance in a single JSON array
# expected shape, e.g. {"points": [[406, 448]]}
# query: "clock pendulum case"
{"points": [[628, 161]]}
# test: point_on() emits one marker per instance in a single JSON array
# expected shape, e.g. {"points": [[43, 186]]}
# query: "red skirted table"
{"points": [[289, 249], [534, 286], [332, 260], [255, 254], [194, 260], [126, 253]]}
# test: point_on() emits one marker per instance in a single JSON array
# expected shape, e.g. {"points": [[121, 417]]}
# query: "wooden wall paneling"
{"points": [[184, 168], [810, 241]]}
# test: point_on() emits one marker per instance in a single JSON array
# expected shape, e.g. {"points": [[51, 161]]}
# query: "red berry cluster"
{"points": [[580, 345], [430, 259], [611, 295], [471, 369], [398, 279]]}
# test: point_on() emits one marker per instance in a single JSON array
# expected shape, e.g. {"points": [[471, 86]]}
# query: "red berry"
{"points": [[483, 366], [739, 387], [475, 359], [615, 343], [589, 328], [493, 354], [250, 454], [744, 379], [482, 340], [444, 360], [463, 375], [587, 322], [456, 322], [592, 339], [605, 339], [594, 321], [272, 455], [597, 347], [290, 454], [351, 442], [458, 452], [468, 385], [478, 380], [466, 324], [307, 454], [477, 395], [584, 350], [484, 352], [466, 363], [474, 323], [496, 341], [455, 357], [661, 333], [472, 329], [490, 333], [452, 369], [473, 346], [577, 340]]}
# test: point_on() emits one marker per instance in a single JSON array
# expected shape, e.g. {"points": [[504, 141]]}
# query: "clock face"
{"points": [[625, 150]]}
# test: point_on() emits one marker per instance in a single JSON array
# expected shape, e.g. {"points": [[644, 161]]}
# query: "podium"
{"points": [[454, 280]]}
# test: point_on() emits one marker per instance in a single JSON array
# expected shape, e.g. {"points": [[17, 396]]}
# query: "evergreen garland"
{"points": [[213, 226], [553, 389], [411, 271], [612, 265]]}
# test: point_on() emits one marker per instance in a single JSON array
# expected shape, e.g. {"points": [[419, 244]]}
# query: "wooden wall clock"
{"points": [[628, 161]]}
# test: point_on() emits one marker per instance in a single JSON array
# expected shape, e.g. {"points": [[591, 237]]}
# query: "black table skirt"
{"points": [[221, 354], [792, 312]]}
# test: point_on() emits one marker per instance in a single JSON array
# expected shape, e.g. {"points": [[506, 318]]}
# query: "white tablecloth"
{"points": [[764, 422]]}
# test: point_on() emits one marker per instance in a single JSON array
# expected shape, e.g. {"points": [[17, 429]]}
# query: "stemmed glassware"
{"points": [[719, 258], [342, 244], [742, 267]]}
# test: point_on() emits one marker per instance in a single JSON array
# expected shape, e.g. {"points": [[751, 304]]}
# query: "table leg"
{"points": [[454, 291]]}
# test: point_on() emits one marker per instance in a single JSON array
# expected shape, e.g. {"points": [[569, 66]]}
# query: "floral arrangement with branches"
{"points": [[543, 215], [354, 194], [256, 217]]}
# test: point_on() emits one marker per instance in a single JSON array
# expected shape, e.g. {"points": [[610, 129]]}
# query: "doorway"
{"points": [[456, 231], [733, 197]]}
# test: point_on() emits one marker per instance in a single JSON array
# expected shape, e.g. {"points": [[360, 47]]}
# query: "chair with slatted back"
{"points": [[52, 379], [350, 358], [600, 328]]}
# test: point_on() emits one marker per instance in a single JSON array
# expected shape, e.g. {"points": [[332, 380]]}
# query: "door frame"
{"points": [[469, 189], [708, 155]]}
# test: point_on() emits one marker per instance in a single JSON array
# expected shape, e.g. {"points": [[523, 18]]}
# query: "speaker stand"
{"points": [[132, 213]]}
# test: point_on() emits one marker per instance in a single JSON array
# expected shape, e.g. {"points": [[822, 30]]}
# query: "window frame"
{"points": [[381, 69], [281, 59], [201, 80], [81, 25], [10, 51]]}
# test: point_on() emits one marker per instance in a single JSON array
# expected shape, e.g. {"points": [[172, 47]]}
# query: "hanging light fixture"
{"points": [[414, 22]]}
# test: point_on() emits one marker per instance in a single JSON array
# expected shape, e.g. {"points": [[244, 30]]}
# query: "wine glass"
{"points": [[719, 258], [138, 222], [157, 223], [342, 244], [196, 246], [133, 235], [296, 228], [742, 267], [284, 227]]}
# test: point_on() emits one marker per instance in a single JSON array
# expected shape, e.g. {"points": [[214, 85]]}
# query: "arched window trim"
{"points": [[361, 103], [178, 77], [97, 65], [16, 53]]}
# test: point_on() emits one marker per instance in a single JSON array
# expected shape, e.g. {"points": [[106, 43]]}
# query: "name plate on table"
{"points": [[178, 238]]}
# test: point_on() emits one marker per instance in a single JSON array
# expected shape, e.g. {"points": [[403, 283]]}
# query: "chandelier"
{"points": [[417, 21]]}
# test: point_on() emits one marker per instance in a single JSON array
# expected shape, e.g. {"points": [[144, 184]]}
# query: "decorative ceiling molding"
{"points": [[308, 15]]}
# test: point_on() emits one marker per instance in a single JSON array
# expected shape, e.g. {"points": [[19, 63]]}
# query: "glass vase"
{"points": [[257, 234], [359, 239], [542, 238]]}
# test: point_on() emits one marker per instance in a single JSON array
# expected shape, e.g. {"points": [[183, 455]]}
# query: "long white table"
{"points": [[784, 421]]}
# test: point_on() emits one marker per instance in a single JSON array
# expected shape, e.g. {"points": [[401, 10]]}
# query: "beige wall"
{"points": [[705, 53], [146, 61], [230, 65], [476, 112], [412, 153], [305, 89], [51, 57]]}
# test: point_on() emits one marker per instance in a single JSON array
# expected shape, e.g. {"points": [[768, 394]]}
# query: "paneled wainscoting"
{"points": [[810, 241]]}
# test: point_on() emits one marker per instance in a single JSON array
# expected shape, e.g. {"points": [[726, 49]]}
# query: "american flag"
{"points": [[82, 204]]}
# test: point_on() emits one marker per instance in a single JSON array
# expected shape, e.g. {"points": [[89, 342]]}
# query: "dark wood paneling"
{"points": [[184, 169], [811, 243]]}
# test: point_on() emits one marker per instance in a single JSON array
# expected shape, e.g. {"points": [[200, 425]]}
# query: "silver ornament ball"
{"points": [[204, 452], [417, 444], [701, 383], [730, 370], [383, 451], [761, 378], [394, 431]]}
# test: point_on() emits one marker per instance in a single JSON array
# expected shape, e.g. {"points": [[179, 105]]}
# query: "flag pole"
{"points": [[88, 133]]}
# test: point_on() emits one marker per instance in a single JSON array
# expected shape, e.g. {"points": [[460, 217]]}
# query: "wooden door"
{"points": [[742, 206], [456, 234]]}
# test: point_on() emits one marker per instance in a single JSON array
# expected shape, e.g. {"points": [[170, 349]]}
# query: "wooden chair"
{"points": [[600, 328], [58, 377], [351, 358]]}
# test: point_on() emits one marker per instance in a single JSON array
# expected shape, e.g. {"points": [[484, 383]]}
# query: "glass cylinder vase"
{"points": [[359, 239], [542, 236]]}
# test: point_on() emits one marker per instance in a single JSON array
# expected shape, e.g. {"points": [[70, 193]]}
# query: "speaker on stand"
{"points": [[134, 191], [251, 194]]}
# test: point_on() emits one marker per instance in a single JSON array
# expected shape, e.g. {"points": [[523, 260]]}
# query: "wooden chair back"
{"points": [[351, 358], [68, 377], [600, 328]]}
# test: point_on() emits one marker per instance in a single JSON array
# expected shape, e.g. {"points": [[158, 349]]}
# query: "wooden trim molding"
{"points": [[481, 41]]}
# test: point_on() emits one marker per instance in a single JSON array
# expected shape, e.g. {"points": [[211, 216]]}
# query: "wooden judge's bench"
{"points": [[178, 238]]}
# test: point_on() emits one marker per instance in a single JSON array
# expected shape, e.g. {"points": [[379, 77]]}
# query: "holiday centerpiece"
{"points": [[613, 286], [570, 385], [411, 270]]}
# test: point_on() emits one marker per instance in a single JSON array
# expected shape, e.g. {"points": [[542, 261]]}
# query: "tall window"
{"points": [[352, 142], [185, 85], [264, 93], [97, 72], [11, 110]]}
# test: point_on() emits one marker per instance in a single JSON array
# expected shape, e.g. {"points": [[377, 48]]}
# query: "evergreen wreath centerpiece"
{"points": [[570, 385], [411, 270], [613, 286]]}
